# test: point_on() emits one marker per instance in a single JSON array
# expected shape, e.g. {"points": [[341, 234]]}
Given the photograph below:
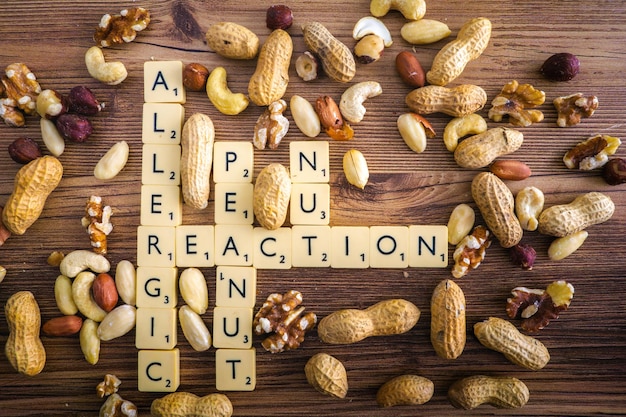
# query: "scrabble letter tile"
{"points": [[195, 246], [350, 246], [428, 246], [389, 246], [234, 244], [156, 287], [156, 246], [163, 82], [232, 327], [160, 164], [161, 205], [272, 248], [309, 161], [310, 246], [235, 286], [162, 123], [310, 204], [233, 203], [158, 370], [156, 328], [235, 369], [233, 161]]}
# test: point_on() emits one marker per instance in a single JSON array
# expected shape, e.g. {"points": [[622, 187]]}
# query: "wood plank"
{"points": [[587, 343]]}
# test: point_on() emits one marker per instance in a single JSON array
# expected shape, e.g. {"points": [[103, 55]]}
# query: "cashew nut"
{"points": [[528, 206], [351, 104], [220, 95], [81, 293], [369, 25], [471, 124], [410, 9], [111, 73], [81, 260]]}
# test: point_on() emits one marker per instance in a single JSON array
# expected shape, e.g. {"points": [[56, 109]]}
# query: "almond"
{"points": [[62, 326], [510, 170], [104, 292]]}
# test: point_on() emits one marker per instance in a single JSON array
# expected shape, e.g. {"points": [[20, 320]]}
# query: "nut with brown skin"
{"points": [[509, 169], [83, 101], [62, 326], [332, 120], [23, 150], [410, 70], [74, 127], [104, 292], [195, 76], [523, 255], [571, 109], [369, 49], [560, 67], [278, 16], [536, 307], [591, 153], [614, 172]]}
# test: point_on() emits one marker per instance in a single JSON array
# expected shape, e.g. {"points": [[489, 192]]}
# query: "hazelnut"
{"points": [[614, 172], [51, 104], [560, 67], [410, 70], [369, 49], [23, 150], [279, 16], [307, 66], [74, 127], [195, 76], [523, 255], [83, 101]]}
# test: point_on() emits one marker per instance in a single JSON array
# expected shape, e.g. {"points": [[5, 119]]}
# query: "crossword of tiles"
{"points": [[234, 245]]}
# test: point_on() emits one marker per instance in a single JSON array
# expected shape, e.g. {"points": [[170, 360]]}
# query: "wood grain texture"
{"points": [[586, 375]]}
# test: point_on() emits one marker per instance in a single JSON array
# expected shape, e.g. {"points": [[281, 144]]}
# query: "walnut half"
{"points": [[517, 101], [591, 153], [537, 307], [571, 109]]}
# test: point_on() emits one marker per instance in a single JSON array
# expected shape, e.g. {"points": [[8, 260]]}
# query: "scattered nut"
{"points": [[270, 79], [459, 101], [196, 160], [281, 316], [195, 76], [51, 104], [83, 101], [24, 150], [108, 386], [336, 58], [278, 16], [80, 260], [560, 67], [528, 206], [332, 120], [104, 292], [21, 89], [186, 404], [369, 49], [405, 390], [459, 127], [271, 196], [74, 127], [304, 116], [424, 31], [591, 153], [480, 150], [460, 223], [500, 392], [355, 168], [351, 103], [112, 162], [415, 130], [411, 9], [4, 232], [122, 28], [518, 102], [3, 273], [89, 341], [55, 258], [82, 296], [194, 329], [232, 40], [62, 326], [369, 25], [223, 99], [614, 171], [564, 246], [571, 109], [97, 222], [63, 296], [470, 251], [327, 375], [126, 281], [447, 320], [55, 143], [537, 307], [509, 169], [271, 126], [116, 406], [523, 255], [584, 211], [111, 73], [307, 66], [410, 70], [193, 289], [117, 322]]}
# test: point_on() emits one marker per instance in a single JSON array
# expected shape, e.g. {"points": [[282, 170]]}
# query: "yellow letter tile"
{"points": [[162, 123], [160, 164], [156, 287], [428, 246], [310, 204], [234, 244], [163, 82], [232, 327], [389, 246], [156, 246], [233, 203], [158, 370], [310, 246], [272, 248], [309, 161], [350, 246], [156, 328], [233, 161], [195, 246], [235, 286], [161, 205], [235, 369]]}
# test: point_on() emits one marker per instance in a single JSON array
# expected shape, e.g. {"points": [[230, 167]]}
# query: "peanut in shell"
{"points": [[447, 323]]}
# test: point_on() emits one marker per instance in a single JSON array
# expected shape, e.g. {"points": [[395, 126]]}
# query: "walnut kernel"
{"points": [[591, 153], [571, 109], [271, 126], [537, 307], [517, 101], [470, 251], [122, 28]]}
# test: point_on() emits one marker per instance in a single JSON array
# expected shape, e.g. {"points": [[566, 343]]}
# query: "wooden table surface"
{"points": [[587, 371]]}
